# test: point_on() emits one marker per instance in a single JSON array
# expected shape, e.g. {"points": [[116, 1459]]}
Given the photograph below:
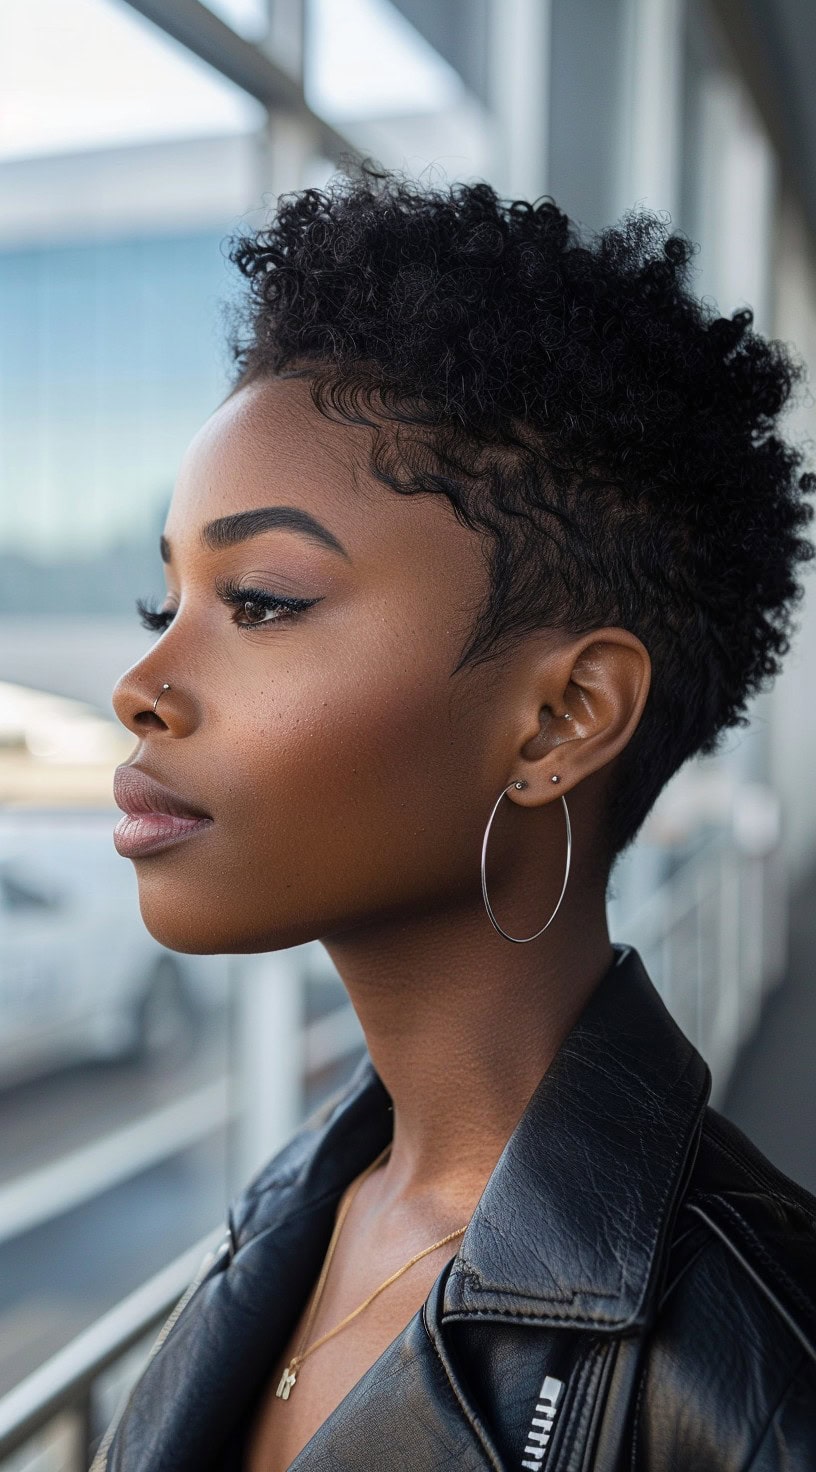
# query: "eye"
{"points": [[151, 617], [272, 607]]}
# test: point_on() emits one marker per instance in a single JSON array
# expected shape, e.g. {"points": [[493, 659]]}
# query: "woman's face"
{"points": [[348, 775]]}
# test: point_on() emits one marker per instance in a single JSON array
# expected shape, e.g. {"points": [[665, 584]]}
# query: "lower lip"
{"points": [[148, 833]]}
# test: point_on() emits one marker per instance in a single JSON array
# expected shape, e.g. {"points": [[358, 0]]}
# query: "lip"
{"points": [[155, 817]]}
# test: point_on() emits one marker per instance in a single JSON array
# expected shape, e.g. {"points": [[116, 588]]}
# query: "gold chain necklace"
{"points": [[289, 1376]]}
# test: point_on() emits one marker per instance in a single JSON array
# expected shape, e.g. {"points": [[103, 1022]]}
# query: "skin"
{"points": [[350, 779]]}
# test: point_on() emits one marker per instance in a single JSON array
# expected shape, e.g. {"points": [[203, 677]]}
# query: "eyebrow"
{"points": [[228, 531]]}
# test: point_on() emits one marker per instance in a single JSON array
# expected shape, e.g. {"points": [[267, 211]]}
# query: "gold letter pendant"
{"points": [[287, 1380]]}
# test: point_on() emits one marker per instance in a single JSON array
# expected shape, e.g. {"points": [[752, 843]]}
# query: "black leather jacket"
{"points": [[635, 1290]]}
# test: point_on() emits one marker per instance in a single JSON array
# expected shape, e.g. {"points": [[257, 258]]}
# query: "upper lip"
{"points": [[135, 792]]}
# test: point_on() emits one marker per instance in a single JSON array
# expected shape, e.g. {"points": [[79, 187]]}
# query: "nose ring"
{"points": [[159, 696]]}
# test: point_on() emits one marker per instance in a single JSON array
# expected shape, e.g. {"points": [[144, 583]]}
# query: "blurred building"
{"points": [[133, 138]]}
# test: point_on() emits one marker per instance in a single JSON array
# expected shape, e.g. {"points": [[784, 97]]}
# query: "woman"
{"points": [[493, 532]]}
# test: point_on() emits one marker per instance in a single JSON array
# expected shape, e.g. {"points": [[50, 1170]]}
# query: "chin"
{"points": [[199, 928], [185, 937]]}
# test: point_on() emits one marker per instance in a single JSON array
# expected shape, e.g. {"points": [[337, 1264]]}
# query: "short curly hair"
{"points": [[615, 438]]}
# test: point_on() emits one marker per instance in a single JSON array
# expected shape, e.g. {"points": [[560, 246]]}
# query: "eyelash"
{"points": [[230, 592]]}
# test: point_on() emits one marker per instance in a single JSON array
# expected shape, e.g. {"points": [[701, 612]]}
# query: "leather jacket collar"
{"points": [[593, 1168], [571, 1231]]}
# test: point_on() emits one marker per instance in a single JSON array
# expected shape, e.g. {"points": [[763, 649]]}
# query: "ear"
{"points": [[600, 681]]}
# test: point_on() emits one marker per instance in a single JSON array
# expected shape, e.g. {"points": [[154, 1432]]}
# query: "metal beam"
{"points": [[772, 42], [245, 63]]}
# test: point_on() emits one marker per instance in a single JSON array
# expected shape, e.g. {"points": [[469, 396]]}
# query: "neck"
{"points": [[461, 1025]]}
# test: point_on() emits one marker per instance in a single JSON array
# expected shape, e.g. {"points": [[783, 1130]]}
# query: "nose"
{"points": [[143, 704]]}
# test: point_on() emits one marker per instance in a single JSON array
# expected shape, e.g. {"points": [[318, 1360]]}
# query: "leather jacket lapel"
{"points": [[406, 1412], [572, 1226]]}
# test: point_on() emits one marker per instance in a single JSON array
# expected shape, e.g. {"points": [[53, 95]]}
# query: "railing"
{"points": [[713, 936], [55, 1418]]}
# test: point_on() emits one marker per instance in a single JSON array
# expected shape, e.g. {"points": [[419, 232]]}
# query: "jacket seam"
{"points": [[684, 1145], [720, 1232], [772, 1415], [588, 1410], [680, 1236], [680, 1275], [572, 1321], [637, 1413], [466, 1271], [605, 1355], [765, 1256], [472, 1422], [582, 1408], [637, 1417]]}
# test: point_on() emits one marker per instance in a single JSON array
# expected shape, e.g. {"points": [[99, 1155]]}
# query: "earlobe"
{"points": [[605, 678]]}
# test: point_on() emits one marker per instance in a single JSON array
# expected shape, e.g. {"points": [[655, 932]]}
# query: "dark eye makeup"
{"points": [[238, 596]]}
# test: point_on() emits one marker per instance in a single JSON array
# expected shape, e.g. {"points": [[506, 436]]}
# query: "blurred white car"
{"points": [[80, 976]]}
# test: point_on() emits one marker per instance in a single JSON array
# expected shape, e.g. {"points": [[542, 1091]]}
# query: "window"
{"points": [[124, 161]]}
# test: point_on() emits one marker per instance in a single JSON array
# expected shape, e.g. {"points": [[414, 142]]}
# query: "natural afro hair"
{"points": [[573, 399]]}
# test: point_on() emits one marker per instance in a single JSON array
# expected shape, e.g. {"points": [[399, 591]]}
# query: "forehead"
{"points": [[267, 445]]}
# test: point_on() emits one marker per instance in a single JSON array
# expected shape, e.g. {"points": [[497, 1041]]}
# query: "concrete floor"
{"points": [[772, 1092]]}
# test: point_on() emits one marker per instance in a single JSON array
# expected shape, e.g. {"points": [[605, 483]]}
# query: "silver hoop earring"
{"points": [[523, 939]]}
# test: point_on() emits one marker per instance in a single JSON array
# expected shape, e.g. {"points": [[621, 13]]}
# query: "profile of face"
{"points": [[325, 738], [347, 771]]}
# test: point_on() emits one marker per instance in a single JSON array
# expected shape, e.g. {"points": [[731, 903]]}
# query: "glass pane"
{"points": [[392, 93], [93, 73], [247, 17], [365, 59], [124, 164]]}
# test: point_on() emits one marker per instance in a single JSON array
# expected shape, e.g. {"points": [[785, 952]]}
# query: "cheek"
{"points": [[342, 788], [368, 732]]}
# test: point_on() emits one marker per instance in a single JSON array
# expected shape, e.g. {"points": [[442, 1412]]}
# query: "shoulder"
{"points": [[731, 1361]]}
